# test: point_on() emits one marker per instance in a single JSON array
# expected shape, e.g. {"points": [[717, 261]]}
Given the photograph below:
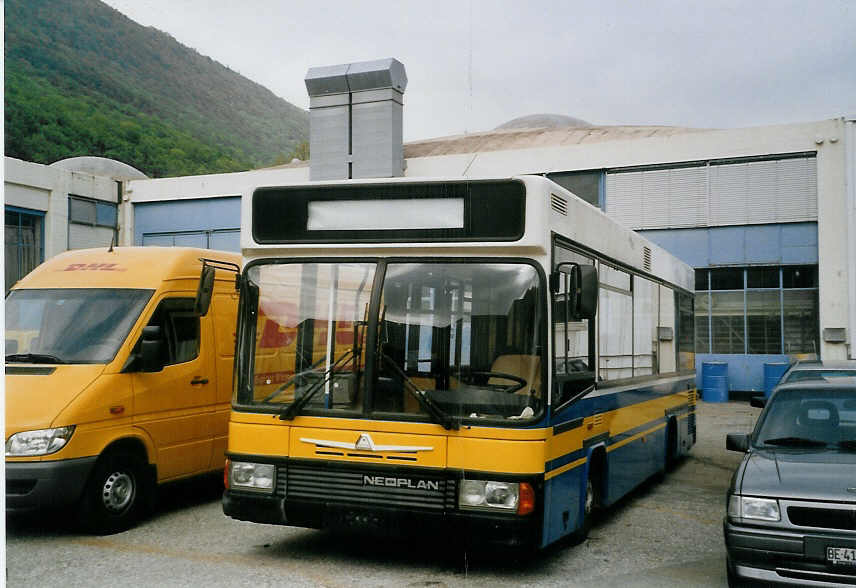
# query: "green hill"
{"points": [[83, 79]]}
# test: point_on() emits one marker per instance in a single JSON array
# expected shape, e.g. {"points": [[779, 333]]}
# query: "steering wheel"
{"points": [[519, 383]]}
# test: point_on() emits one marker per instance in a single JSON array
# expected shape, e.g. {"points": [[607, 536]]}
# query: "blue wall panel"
{"points": [[744, 245], [745, 372], [727, 245], [763, 243], [799, 243], [176, 216]]}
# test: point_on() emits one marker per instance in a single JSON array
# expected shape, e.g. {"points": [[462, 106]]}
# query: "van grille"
{"points": [[349, 485]]}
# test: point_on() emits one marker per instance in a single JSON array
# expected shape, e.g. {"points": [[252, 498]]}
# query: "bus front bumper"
{"points": [[489, 529], [45, 484]]}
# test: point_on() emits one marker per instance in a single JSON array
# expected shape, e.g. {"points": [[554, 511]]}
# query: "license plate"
{"points": [[841, 555]]}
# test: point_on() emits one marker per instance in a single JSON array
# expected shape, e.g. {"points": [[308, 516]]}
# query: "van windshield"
{"points": [[70, 325]]}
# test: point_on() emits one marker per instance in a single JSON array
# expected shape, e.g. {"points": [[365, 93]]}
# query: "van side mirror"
{"points": [[151, 347], [737, 442], [205, 290]]}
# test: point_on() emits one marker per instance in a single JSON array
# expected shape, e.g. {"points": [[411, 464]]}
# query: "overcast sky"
{"points": [[474, 64]]}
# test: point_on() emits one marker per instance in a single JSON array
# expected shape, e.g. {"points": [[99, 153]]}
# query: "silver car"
{"points": [[819, 370], [792, 502]]}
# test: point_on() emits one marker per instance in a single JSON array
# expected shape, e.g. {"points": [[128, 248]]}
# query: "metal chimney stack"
{"points": [[355, 120]]}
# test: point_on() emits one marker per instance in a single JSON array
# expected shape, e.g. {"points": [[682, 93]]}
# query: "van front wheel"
{"points": [[114, 495]]}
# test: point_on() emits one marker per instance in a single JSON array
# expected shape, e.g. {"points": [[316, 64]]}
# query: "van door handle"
{"points": [[195, 381]]}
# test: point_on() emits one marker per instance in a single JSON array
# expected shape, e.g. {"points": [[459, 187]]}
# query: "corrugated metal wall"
{"points": [[715, 194], [213, 223]]}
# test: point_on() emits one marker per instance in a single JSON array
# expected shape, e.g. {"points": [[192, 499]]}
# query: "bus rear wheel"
{"points": [[115, 494]]}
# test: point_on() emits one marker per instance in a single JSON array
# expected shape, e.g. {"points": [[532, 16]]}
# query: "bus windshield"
{"points": [[456, 340], [70, 325]]}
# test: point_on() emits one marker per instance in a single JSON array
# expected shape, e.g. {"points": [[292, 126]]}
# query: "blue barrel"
{"points": [[714, 381], [772, 374]]}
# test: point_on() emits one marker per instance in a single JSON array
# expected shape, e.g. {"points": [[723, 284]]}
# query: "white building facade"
{"points": [[766, 215]]}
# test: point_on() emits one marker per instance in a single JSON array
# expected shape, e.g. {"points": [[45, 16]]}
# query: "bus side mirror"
{"points": [[205, 290], [151, 346], [584, 287]]}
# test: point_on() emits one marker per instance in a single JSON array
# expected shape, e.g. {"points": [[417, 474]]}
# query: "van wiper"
{"points": [[33, 358], [795, 442], [424, 400], [292, 409]]}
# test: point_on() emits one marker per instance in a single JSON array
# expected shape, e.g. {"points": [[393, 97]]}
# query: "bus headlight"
{"points": [[760, 509], [41, 442], [255, 477], [488, 495]]}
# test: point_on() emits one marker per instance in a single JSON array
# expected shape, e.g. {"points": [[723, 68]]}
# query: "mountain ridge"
{"points": [[83, 79]]}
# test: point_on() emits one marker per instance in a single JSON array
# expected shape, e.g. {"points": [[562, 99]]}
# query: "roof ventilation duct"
{"points": [[355, 120]]}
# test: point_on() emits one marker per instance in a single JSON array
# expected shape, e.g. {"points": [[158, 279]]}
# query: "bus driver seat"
{"points": [[527, 367]]}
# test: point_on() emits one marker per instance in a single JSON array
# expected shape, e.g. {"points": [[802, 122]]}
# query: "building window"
{"points": [[757, 311], [584, 184], [92, 223], [24, 242], [727, 324]]}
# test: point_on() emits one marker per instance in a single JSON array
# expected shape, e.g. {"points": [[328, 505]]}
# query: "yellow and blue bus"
{"points": [[492, 358]]}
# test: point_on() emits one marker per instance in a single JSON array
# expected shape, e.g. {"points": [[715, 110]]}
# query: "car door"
{"points": [[174, 404]]}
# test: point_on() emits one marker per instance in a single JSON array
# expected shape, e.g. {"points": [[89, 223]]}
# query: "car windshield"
{"points": [[810, 417], [70, 325], [452, 339]]}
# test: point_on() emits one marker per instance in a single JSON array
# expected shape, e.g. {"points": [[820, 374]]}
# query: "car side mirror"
{"points": [[737, 442], [758, 401]]}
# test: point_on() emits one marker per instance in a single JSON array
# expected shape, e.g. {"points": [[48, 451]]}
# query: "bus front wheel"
{"points": [[590, 506]]}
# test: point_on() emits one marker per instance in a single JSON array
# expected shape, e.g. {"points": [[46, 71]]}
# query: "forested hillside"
{"points": [[82, 79]]}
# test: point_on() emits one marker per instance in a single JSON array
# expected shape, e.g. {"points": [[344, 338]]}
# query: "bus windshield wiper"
{"points": [[795, 442], [292, 409], [282, 388], [33, 358], [423, 399]]}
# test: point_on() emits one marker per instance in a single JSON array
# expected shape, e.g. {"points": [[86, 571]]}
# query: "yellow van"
{"points": [[117, 378]]}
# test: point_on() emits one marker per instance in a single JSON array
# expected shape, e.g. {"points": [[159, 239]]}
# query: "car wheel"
{"points": [[113, 497]]}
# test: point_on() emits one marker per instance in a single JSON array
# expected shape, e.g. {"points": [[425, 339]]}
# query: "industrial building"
{"points": [[766, 215]]}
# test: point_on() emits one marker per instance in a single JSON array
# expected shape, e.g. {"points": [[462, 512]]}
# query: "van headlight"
{"points": [[255, 477], [41, 442], [748, 507]]}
